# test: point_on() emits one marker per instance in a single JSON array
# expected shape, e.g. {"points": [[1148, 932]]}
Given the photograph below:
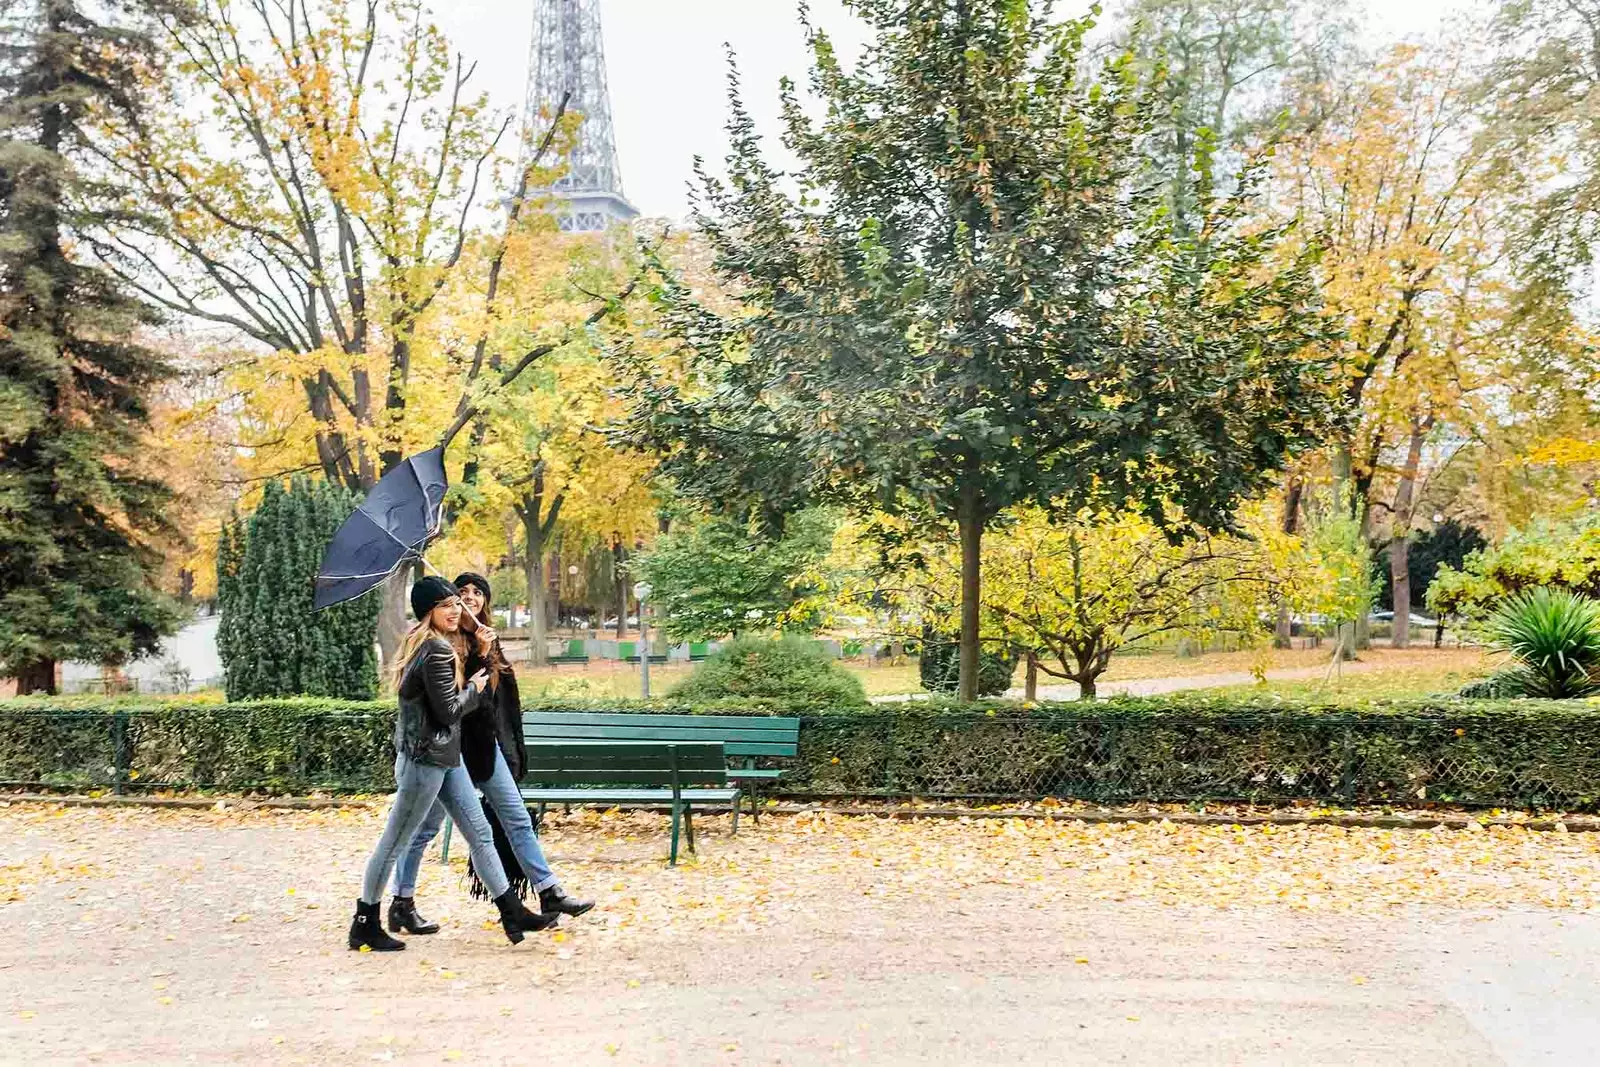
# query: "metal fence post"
{"points": [[1347, 771], [122, 752], [888, 755]]}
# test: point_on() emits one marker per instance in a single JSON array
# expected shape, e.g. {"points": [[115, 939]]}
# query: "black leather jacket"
{"points": [[428, 728], [496, 724]]}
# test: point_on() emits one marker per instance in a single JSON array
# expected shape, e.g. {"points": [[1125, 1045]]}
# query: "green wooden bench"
{"points": [[631, 772], [744, 737], [699, 650], [628, 652], [574, 654]]}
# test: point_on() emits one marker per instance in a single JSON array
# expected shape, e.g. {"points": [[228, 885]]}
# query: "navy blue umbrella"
{"points": [[390, 528]]}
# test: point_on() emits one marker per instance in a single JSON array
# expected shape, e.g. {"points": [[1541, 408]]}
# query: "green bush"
{"points": [[1554, 635], [1488, 753], [789, 671], [939, 667]]}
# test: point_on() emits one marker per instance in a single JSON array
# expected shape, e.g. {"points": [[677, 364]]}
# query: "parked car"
{"points": [[1416, 620]]}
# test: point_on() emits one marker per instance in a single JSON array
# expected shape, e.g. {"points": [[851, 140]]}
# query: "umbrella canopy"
{"points": [[391, 527]]}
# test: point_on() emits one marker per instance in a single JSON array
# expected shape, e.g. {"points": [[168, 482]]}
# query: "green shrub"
{"points": [[786, 670], [939, 667], [1554, 634], [1190, 747]]}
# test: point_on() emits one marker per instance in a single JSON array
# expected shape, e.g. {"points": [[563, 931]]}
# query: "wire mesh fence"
{"points": [[1504, 755]]}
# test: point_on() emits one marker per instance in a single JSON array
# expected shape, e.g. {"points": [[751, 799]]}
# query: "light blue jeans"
{"points": [[503, 796], [419, 789]]}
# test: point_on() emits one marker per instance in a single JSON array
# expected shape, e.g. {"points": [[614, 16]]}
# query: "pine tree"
{"points": [[272, 642], [77, 522]]}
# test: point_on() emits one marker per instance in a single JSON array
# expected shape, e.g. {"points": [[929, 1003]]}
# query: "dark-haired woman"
{"points": [[492, 748], [428, 770]]}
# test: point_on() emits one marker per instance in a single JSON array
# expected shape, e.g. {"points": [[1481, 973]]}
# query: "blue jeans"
{"points": [[420, 788], [503, 796]]}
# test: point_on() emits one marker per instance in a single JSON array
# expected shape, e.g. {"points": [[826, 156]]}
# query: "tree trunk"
{"points": [[37, 677], [1030, 691], [1400, 539], [1086, 690], [538, 593], [971, 526], [1399, 570], [393, 613], [619, 556], [1283, 633]]}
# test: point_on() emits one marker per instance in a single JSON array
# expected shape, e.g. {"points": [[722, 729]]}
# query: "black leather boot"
{"points": [[367, 931], [516, 920], [403, 918], [554, 901]]}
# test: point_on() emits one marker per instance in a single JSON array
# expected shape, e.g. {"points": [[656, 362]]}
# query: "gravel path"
{"points": [[139, 936]]}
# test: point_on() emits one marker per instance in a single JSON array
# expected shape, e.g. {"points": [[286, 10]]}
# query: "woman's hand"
{"points": [[479, 680]]}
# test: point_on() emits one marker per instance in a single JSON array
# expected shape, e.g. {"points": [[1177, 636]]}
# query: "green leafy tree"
{"points": [[78, 522], [1557, 555], [974, 298], [1229, 68], [1447, 544], [1541, 90], [719, 576], [271, 641]]}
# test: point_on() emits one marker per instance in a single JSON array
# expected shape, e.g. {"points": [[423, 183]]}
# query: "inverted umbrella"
{"points": [[401, 514]]}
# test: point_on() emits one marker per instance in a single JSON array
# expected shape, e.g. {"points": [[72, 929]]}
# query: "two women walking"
{"points": [[459, 729]]}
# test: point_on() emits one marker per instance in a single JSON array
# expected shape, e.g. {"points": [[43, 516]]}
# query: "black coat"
{"points": [[496, 724]]}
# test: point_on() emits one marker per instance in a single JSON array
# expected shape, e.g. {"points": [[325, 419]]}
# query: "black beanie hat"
{"points": [[471, 578], [428, 593]]}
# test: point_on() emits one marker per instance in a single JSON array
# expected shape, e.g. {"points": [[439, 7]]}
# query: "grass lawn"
{"points": [[1380, 672]]}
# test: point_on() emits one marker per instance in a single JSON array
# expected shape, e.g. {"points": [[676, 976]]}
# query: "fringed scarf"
{"points": [[508, 859]]}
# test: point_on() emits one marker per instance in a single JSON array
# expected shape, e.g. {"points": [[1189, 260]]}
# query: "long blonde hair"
{"points": [[420, 634]]}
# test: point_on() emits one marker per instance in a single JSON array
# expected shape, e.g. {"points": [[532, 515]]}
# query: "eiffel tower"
{"points": [[568, 55]]}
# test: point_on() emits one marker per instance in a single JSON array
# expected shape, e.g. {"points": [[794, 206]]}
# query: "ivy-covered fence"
{"points": [[1481, 753]]}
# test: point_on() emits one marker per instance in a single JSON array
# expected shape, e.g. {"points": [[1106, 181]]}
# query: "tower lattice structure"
{"points": [[568, 56]]}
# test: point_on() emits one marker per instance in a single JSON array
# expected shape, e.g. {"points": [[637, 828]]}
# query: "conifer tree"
{"points": [[272, 642], [77, 522]]}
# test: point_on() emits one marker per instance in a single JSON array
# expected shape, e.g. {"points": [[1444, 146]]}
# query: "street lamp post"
{"points": [[641, 593]]}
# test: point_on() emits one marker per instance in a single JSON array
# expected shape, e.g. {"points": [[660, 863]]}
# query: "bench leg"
{"points": [[688, 826], [672, 857], [755, 802], [736, 814], [444, 850]]}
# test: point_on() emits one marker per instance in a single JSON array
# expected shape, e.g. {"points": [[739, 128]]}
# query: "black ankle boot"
{"points": [[554, 901], [403, 918], [366, 931], [516, 920]]}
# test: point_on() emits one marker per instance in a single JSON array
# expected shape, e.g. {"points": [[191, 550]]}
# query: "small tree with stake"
{"points": [[973, 298]]}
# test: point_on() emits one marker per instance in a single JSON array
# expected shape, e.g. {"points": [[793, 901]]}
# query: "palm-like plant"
{"points": [[1554, 635]]}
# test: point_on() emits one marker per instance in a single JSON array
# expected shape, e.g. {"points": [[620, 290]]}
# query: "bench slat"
{"points": [[620, 796], [609, 718]]}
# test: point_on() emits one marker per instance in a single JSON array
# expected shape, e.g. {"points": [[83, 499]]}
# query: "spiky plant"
{"points": [[1554, 635]]}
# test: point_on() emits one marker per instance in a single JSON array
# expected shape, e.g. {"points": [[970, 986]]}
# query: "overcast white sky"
{"points": [[667, 70]]}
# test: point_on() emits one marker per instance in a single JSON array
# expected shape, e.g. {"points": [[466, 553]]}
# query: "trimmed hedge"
{"points": [[1540, 754]]}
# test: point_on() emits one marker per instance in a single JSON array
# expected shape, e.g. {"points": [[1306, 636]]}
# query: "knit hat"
{"points": [[469, 578], [428, 594]]}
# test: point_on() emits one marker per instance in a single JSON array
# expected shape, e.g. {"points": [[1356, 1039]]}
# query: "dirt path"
{"points": [[152, 937]]}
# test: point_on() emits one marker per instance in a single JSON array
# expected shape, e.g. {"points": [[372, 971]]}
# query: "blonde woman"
{"points": [[428, 766]]}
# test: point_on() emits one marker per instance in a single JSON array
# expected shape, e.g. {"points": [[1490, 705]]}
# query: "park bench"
{"points": [[628, 652], [575, 653], [631, 772], [745, 737], [627, 772], [698, 651]]}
